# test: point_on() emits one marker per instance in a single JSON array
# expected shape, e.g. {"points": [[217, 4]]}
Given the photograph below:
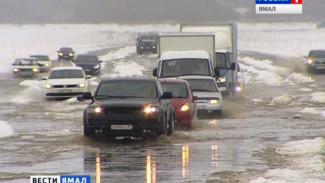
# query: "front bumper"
{"points": [[135, 125], [184, 118], [204, 110], [64, 92]]}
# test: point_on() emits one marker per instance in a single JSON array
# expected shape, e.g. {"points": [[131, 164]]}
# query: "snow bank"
{"points": [[317, 97], [299, 78], [129, 68], [307, 146], [281, 100], [310, 110], [5, 130]]}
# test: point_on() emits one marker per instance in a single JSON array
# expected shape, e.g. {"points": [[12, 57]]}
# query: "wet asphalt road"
{"points": [[48, 136]]}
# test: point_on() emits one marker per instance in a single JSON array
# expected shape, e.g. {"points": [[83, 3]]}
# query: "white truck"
{"points": [[185, 54], [225, 60]]}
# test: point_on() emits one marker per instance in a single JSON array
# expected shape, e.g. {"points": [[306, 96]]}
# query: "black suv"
{"points": [[315, 60], [147, 42], [66, 53], [129, 106], [89, 63]]}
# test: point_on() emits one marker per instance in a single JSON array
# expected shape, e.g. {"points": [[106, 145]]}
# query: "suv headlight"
{"points": [[96, 109], [149, 109], [81, 85], [70, 54], [309, 61], [61, 54], [96, 66], [48, 86], [222, 79], [35, 69], [16, 70]]}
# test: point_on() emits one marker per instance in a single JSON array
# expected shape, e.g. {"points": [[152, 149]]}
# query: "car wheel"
{"points": [[87, 132], [171, 124], [163, 127]]}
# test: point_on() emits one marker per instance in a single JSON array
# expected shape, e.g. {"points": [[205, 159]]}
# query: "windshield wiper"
{"points": [[109, 96]]}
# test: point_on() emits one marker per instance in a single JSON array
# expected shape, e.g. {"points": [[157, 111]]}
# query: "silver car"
{"points": [[209, 101]]}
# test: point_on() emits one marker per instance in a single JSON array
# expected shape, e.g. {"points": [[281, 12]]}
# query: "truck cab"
{"points": [[180, 63]]}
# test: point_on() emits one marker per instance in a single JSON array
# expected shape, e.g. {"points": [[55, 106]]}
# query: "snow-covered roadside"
{"points": [[306, 163]]}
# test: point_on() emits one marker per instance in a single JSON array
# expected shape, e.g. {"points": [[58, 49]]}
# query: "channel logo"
{"points": [[278, 6], [60, 179]]}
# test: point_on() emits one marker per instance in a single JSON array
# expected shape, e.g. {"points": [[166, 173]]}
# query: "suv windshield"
{"points": [[66, 74], [179, 90], [207, 85], [317, 54], [181, 67], [86, 58], [127, 88]]}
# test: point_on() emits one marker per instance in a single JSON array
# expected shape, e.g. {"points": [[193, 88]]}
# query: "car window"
{"points": [[128, 88], [86, 59], [208, 85], [317, 54], [66, 49], [179, 90], [26, 62], [173, 68], [66, 74]]}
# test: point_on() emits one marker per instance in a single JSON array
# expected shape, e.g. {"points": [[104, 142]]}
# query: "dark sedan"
{"points": [[89, 63], [66, 53], [129, 106]]}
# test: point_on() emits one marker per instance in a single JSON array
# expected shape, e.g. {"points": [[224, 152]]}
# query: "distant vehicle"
{"points": [[147, 42], [25, 67], [183, 100], [66, 82], [315, 60], [89, 63], [44, 62], [129, 106], [66, 53], [209, 101]]}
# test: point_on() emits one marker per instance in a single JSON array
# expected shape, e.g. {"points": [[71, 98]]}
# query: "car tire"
{"points": [[171, 124], [87, 132], [163, 127]]}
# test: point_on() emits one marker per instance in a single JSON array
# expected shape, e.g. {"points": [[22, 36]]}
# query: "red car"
{"points": [[182, 101]]}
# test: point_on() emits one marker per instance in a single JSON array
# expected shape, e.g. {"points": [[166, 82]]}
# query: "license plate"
{"points": [[65, 91], [121, 127]]}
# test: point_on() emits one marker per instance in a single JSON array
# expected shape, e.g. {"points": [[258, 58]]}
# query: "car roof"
{"points": [[196, 77], [168, 55], [133, 78], [26, 59], [67, 68], [66, 48]]}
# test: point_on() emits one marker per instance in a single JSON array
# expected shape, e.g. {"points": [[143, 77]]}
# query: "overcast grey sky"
{"points": [[146, 11]]}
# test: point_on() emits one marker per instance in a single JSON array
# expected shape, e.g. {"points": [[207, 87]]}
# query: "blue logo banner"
{"points": [[272, 1]]}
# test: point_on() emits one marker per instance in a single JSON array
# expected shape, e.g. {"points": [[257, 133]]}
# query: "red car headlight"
{"points": [[185, 107]]}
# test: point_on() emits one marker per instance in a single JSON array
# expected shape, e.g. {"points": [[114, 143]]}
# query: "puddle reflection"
{"points": [[185, 160]]}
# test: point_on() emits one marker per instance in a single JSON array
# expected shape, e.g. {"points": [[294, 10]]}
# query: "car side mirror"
{"points": [[154, 72], [194, 98], [233, 66], [216, 72], [167, 95], [87, 95], [100, 61]]}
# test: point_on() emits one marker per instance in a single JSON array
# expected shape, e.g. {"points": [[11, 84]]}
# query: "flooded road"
{"points": [[45, 137]]}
